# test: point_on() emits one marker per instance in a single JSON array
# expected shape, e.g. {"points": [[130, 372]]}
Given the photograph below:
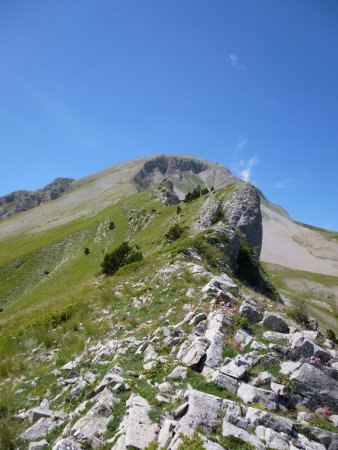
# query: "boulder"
{"points": [[303, 348], [204, 412], [180, 372], [196, 353], [215, 336], [316, 385], [273, 322], [38, 445], [233, 370], [66, 444], [262, 378], [250, 313], [218, 284]]}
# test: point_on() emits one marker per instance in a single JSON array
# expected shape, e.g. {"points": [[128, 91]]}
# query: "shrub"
{"points": [[86, 251], [218, 215], [205, 191], [174, 233], [178, 209], [330, 334], [121, 256], [111, 225], [241, 322], [196, 193]]}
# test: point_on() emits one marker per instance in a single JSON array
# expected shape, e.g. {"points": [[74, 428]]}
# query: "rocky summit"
{"points": [[151, 323]]}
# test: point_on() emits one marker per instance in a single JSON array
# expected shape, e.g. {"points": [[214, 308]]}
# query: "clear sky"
{"points": [[252, 84]]}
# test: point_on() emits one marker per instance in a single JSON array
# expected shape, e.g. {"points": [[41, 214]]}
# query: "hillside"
{"points": [[303, 262], [190, 347]]}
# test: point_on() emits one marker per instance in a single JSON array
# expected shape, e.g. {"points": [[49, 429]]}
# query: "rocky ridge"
{"points": [[229, 372], [23, 200]]}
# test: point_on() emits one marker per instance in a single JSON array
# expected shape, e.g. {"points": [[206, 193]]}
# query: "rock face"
{"points": [[22, 200], [242, 210], [183, 172]]}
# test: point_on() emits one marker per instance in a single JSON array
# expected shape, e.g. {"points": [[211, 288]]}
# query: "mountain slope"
{"points": [[179, 350], [92, 194], [297, 246]]}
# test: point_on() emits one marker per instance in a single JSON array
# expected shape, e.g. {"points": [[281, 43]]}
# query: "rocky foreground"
{"points": [[232, 373]]}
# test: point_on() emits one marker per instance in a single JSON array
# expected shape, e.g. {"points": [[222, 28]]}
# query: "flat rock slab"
{"points": [[224, 381], [251, 394], [277, 423], [93, 425], [140, 431], [40, 429], [233, 370]]}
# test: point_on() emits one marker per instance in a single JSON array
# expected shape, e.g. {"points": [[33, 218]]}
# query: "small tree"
{"points": [[174, 233], [196, 193], [86, 251], [205, 191], [121, 256], [111, 225], [178, 209]]}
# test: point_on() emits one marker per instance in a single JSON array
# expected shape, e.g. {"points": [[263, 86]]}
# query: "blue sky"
{"points": [[252, 84]]}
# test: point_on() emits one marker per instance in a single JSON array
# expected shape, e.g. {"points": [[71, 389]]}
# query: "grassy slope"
{"points": [[27, 293], [316, 289]]}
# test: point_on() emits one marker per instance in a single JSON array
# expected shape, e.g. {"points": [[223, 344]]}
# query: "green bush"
{"points": [[195, 442], [86, 251], [178, 209], [174, 233], [111, 225], [121, 256]]}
